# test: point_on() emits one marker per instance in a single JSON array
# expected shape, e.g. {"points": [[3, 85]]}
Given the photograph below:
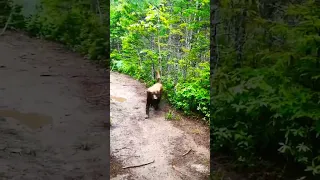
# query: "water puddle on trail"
{"points": [[32, 120], [119, 99]]}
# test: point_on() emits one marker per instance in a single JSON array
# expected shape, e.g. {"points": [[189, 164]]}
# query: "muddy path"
{"points": [[49, 128], [135, 140]]}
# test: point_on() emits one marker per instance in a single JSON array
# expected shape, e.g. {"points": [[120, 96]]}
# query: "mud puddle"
{"points": [[32, 120], [119, 99]]}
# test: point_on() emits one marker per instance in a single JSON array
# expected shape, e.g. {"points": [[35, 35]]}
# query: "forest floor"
{"points": [[136, 140], [49, 127]]}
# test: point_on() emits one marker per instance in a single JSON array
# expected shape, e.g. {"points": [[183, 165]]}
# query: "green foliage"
{"points": [[5, 11], [171, 116], [72, 23], [17, 19], [147, 36], [271, 103]]}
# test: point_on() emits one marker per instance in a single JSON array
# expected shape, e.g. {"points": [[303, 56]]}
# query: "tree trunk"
{"points": [[213, 63]]}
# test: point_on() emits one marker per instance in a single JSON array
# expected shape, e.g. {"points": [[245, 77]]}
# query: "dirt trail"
{"points": [[135, 140], [48, 130], [52, 107]]}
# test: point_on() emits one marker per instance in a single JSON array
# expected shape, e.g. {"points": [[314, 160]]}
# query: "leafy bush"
{"points": [[72, 24], [10, 10], [270, 106], [145, 37]]}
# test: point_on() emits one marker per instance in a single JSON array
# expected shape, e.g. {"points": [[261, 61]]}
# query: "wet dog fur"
{"points": [[154, 95]]}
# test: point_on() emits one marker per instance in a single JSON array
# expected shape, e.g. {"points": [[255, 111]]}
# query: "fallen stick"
{"points": [[187, 152], [48, 75], [134, 166], [173, 167]]}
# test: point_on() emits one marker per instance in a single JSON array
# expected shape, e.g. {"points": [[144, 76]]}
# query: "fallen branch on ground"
{"points": [[134, 166], [127, 85], [187, 152], [47, 75], [119, 149]]}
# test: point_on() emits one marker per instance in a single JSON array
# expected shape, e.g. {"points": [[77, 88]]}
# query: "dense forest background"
{"points": [[266, 85], [265, 67], [171, 36]]}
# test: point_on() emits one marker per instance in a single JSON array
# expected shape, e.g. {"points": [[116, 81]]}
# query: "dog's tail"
{"points": [[158, 78]]}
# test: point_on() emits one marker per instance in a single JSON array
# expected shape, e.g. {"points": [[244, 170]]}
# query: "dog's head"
{"points": [[155, 91]]}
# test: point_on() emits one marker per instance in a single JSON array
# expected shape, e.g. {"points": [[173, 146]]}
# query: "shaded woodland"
{"points": [[81, 25], [266, 98]]}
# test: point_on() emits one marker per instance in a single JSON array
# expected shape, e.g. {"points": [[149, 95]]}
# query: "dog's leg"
{"points": [[148, 106], [156, 104], [159, 100], [147, 110]]}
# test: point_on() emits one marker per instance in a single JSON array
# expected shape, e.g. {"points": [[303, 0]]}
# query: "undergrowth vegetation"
{"points": [[81, 25], [171, 36], [266, 100], [10, 16]]}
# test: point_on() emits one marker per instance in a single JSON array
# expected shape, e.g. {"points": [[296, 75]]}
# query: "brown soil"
{"points": [[136, 140], [48, 129]]}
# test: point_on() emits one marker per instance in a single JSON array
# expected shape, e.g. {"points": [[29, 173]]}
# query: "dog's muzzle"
{"points": [[155, 97]]}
